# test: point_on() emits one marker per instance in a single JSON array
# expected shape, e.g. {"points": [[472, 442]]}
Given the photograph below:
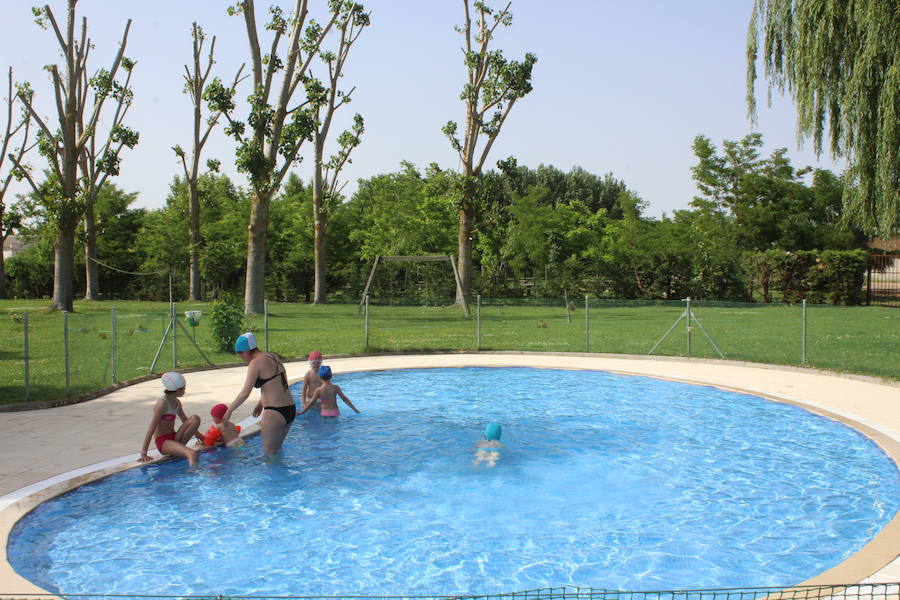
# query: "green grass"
{"points": [[860, 340]]}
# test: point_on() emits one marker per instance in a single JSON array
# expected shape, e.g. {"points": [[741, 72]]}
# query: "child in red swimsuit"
{"points": [[222, 431], [168, 440]]}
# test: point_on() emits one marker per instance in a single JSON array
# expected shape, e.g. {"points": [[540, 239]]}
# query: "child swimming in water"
{"points": [[326, 396], [222, 431], [488, 448]]}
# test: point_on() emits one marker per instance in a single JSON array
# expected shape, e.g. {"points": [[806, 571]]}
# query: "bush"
{"points": [[226, 321]]}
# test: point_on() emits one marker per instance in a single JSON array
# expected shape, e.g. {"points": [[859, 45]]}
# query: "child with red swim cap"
{"points": [[311, 380], [222, 431]]}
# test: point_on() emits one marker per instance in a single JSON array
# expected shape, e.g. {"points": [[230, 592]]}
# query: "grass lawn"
{"points": [[850, 339]]}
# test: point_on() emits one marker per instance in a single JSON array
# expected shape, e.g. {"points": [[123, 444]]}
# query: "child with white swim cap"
{"points": [[168, 440]]}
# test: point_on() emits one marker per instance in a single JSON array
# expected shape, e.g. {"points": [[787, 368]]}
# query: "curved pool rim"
{"points": [[877, 555]]}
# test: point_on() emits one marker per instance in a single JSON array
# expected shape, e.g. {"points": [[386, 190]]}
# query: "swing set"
{"points": [[426, 258]]}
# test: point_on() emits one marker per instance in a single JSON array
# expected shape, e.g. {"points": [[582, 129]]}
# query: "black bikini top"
{"points": [[262, 381]]}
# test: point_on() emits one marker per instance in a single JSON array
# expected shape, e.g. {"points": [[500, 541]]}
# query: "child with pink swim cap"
{"points": [[222, 431], [311, 380]]}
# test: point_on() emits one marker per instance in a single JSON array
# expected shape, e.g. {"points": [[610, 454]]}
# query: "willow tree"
{"points": [[327, 99], [840, 61], [195, 79], [493, 86], [79, 102], [276, 127], [15, 142]]}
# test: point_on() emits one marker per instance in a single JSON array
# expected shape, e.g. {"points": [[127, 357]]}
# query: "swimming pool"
{"points": [[605, 481]]}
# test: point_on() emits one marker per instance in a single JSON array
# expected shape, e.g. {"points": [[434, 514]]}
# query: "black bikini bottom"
{"points": [[288, 412]]}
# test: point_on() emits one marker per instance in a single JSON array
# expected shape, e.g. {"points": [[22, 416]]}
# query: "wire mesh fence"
{"points": [[47, 356], [854, 591]]}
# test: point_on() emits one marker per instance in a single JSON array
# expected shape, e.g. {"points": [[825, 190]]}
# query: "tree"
{"points": [[10, 220], [195, 85], [839, 61], [65, 148], [276, 131], [326, 102], [98, 163], [493, 86]]}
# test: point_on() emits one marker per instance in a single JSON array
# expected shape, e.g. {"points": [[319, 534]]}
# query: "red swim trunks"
{"points": [[161, 439]]}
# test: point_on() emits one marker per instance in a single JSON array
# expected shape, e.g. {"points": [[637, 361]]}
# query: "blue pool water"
{"points": [[605, 481]]}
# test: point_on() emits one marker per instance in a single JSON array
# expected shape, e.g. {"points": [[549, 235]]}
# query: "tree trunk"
{"points": [[194, 201], [64, 258], [464, 248], [319, 257], [257, 243], [3, 292], [91, 271]]}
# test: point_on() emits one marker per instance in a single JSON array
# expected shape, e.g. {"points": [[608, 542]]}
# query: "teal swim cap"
{"points": [[492, 432], [244, 342]]}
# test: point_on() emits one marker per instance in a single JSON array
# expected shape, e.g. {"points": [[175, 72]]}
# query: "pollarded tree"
{"points": [[840, 62], [98, 162], [326, 101], [493, 86], [269, 142], [195, 85], [78, 117], [15, 138]]}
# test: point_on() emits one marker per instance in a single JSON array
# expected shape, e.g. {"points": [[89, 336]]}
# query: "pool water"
{"points": [[604, 480]]}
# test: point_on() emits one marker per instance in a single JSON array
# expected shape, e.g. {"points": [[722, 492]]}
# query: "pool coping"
{"points": [[877, 561]]}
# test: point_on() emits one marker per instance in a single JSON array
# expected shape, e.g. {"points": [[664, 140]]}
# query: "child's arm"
{"points": [[307, 405], [345, 398], [157, 413]]}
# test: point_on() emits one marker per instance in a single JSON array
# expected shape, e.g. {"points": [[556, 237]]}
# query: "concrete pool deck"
{"points": [[50, 451]]}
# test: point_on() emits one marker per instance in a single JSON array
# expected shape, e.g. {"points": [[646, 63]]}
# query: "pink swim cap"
{"points": [[218, 411], [315, 355]]}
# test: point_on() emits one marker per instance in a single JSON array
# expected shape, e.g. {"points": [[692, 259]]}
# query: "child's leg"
{"points": [[173, 448], [188, 430]]}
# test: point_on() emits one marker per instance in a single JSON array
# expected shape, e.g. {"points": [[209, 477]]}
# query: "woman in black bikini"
{"points": [[276, 404]]}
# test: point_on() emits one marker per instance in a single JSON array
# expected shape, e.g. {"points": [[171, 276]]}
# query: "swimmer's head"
{"points": [[492, 432], [173, 381], [325, 372], [315, 357], [218, 412], [245, 342]]}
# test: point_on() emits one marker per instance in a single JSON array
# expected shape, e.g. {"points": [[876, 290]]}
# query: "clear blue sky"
{"points": [[620, 87]]}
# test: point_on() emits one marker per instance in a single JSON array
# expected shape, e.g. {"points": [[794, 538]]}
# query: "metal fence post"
{"points": [[587, 326], [478, 323], [113, 358], [266, 320], [803, 335], [174, 338], [687, 312], [66, 352], [27, 366], [366, 325]]}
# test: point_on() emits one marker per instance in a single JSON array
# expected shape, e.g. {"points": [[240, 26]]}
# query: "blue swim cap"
{"points": [[325, 372], [244, 342], [492, 432]]}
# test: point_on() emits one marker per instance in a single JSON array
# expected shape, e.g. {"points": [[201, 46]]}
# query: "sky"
{"points": [[619, 87]]}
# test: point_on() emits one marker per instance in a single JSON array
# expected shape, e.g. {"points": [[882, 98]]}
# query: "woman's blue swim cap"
{"points": [[325, 372], [492, 432], [244, 342]]}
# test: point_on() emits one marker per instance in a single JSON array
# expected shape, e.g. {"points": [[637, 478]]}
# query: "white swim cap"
{"points": [[173, 381]]}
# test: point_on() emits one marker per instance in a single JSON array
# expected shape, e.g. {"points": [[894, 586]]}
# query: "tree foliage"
{"points": [[841, 63]]}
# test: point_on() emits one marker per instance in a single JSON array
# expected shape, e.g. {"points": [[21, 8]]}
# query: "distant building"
{"points": [[13, 245]]}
